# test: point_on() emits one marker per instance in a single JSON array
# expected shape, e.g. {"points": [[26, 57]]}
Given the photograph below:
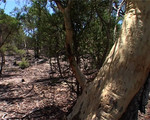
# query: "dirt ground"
{"points": [[36, 93]]}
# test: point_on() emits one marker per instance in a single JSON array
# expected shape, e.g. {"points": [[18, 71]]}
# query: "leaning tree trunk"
{"points": [[69, 42], [123, 73]]}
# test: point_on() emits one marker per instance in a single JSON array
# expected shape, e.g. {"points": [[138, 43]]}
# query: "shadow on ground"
{"points": [[42, 99], [46, 113]]}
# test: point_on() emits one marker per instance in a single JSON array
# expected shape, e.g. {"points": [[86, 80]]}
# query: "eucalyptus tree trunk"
{"points": [[69, 41], [124, 71]]}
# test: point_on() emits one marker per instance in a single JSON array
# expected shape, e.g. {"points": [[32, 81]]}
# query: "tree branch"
{"points": [[117, 16], [119, 8], [5, 40], [59, 5], [69, 42], [69, 4]]}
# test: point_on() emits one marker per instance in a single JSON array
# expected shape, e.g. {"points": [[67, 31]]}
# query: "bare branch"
{"points": [[69, 4], [117, 16], [119, 8], [59, 5]]}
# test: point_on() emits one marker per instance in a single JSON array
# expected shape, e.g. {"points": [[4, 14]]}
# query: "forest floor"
{"points": [[36, 93]]}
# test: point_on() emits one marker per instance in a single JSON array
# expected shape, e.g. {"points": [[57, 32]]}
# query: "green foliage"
{"points": [[14, 50], [7, 22], [3, 48], [92, 21], [9, 27], [18, 51], [24, 63]]}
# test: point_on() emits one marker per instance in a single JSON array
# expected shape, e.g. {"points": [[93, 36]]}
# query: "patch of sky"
{"points": [[11, 5]]}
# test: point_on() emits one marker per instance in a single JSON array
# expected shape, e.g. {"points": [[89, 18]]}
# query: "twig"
{"points": [[3, 117]]}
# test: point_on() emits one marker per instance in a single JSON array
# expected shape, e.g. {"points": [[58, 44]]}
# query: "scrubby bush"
{"points": [[18, 51], [23, 64]]}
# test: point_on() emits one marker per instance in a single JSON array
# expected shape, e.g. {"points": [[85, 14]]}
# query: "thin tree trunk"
{"points": [[36, 49], [124, 71], [38, 38], [69, 42], [2, 61], [59, 67], [50, 63], [108, 30], [1, 52]]}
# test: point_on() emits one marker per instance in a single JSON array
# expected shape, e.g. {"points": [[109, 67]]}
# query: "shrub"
{"points": [[23, 64], [18, 51]]}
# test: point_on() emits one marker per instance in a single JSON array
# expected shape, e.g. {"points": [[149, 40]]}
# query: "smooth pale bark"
{"points": [[69, 46], [69, 42], [124, 71]]}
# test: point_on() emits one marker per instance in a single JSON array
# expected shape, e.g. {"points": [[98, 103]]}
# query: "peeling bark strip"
{"points": [[124, 72], [69, 41]]}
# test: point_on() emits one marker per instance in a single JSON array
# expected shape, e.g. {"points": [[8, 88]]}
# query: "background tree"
{"points": [[8, 26]]}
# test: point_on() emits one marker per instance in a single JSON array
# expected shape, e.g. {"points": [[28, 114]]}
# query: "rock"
{"points": [[22, 80]]}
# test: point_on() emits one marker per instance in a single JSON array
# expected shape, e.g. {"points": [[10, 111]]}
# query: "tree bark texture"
{"points": [[138, 103], [124, 71], [69, 42]]}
